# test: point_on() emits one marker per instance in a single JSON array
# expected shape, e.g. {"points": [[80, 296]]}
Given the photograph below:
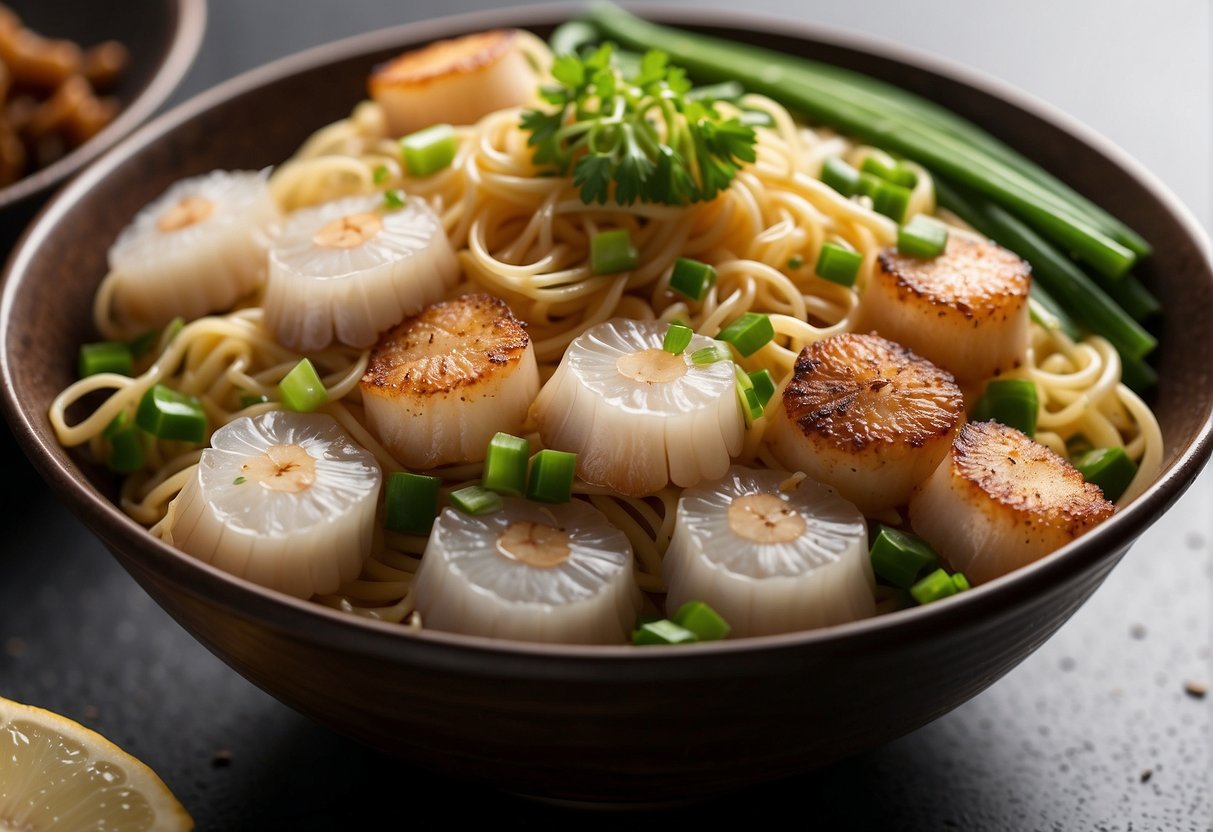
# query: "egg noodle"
{"points": [[525, 237]]}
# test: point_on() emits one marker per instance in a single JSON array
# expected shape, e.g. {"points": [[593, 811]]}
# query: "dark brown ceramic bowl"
{"points": [[614, 723], [162, 36]]}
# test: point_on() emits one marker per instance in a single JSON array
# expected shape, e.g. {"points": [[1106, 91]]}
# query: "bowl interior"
{"points": [[162, 37], [910, 670]]}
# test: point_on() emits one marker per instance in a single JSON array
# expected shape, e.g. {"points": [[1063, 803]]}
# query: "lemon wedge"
{"points": [[56, 774]]}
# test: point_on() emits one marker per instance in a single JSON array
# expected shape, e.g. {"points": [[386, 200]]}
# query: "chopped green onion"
{"points": [[838, 265], [663, 631], [612, 251], [869, 185], [1012, 401], [795, 262], [840, 176], [394, 199], [899, 557], [127, 451], [677, 338], [922, 237], [301, 389], [1109, 468], [505, 465], [749, 333], [960, 582], [428, 151], [702, 620], [476, 500], [381, 174], [167, 414], [891, 200], [691, 278], [894, 172], [551, 478], [411, 503], [249, 400], [144, 342], [240, 481], [710, 355], [105, 357], [751, 408], [937, 585], [764, 385]]}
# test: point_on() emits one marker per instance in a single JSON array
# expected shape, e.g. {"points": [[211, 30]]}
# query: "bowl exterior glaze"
{"points": [[600, 724]]}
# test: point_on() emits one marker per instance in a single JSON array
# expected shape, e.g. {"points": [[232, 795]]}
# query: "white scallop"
{"points": [[302, 543], [319, 294], [638, 436], [466, 585], [163, 269], [822, 577]]}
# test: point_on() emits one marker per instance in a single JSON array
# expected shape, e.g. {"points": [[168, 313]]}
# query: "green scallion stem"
{"points": [[1109, 468], [692, 279], [922, 237], [167, 414], [428, 151], [505, 465], [475, 499], [1012, 401], [551, 479], [702, 620], [749, 333], [677, 338], [105, 357], [900, 557], [301, 389], [838, 265], [612, 251], [411, 502]]}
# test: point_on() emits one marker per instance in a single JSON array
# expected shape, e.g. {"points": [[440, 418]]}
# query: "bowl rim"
{"points": [[339, 630], [182, 49]]}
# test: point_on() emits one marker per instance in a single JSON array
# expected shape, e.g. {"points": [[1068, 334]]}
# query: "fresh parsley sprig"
{"points": [[649, 135]]}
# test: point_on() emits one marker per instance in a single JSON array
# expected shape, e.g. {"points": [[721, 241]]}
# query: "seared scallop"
{"points": [[966, 310], [1000, 501], [866, 416], [454, 81], [442, 383]]}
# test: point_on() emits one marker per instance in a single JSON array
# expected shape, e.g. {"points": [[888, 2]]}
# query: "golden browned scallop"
{"points": [[454, 81], [966, 310], [867, 416], [1000, 501], [440, 384]]}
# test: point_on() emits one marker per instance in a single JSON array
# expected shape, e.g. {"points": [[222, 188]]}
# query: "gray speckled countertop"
{"points": [[1094, 731]]}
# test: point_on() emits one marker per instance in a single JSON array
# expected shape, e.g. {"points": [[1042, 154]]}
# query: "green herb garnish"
{"points": [[646, 134]]}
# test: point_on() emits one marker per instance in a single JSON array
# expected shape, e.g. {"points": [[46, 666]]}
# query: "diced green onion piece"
{"points": [[663, 631], [896, 173], [840, 176], [381, 174], [712, 354], [899, 557], [476, 500], [922, 237], [937, 585], [764, 385], [751, 408], [505, 465], [795, 262], [612, 251], [144, 342], [702, 620], [127, 451], [869, 184], [428, 151], [1109, 468], [551, 478], [960, 582], [691, 278], [891, 200], [239, 480], [677, 338], [167, 414], [749, 333], [838, 265], [411, 503], [394, 199], [1011, 401], [301, 389], [116, 424], [249, 400], [105, 357]]}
